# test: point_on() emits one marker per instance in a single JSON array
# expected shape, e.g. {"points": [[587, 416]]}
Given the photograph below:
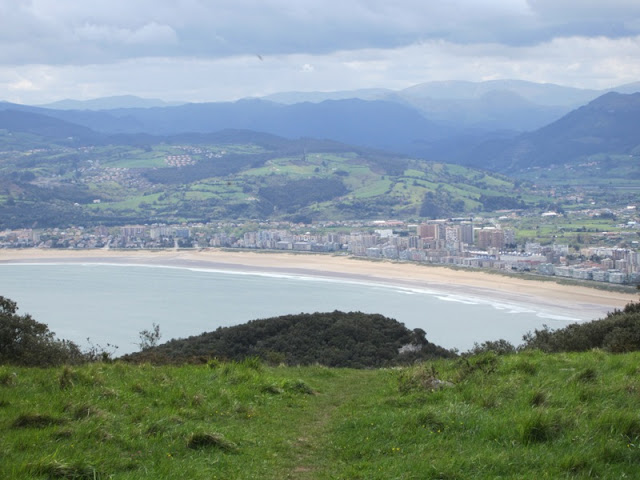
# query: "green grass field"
{"points": [[524, 416]]}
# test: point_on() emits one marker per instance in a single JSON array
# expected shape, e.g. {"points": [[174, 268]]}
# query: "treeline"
{"points": [[26, 342], [491, 203], [618, 332], [296, 194], [441, 204], [334, 339]]}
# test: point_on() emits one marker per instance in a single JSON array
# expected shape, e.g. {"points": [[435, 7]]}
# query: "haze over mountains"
{"points": [[109, 103], [491, 105], [501, 125]]}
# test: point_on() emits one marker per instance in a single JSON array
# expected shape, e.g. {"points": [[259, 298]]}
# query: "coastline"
{"points": [[577, 302]]}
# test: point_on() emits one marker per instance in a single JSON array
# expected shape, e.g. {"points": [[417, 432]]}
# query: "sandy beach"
{"points": [[582, 303]]}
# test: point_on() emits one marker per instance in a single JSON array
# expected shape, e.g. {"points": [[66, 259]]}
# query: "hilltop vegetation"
{"points": [[334, 339], [26, 342]]}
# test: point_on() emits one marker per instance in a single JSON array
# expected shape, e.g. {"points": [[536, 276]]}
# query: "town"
{"points": [[480, 243]]}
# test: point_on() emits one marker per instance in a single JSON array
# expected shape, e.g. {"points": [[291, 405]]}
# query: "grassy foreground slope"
{"points": [[527, 415]]}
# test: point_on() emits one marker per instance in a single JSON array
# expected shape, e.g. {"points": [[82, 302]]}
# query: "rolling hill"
{"points": [[233, 174]]}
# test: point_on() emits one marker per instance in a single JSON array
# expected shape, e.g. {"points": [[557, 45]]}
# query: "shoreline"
{"points": [[569, 301]]}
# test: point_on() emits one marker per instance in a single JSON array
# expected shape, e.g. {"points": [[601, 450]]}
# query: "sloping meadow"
{"points": [[525, 415]]}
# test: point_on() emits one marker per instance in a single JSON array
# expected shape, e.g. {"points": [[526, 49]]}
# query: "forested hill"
{"points": [[335, 339], [608, 126]]}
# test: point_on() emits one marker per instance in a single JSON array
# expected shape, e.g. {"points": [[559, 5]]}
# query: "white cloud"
{"points": [[72, 32], [577, 61], [22, 85], [200, 50]]}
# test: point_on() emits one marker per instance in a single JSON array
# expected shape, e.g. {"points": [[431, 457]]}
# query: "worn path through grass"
{"points": [[312, 449]]}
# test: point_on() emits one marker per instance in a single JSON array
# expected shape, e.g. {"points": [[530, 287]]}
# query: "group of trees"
{"points": [[440, 204], [296, 194], [23, 341], [26, 342], [336, 339], [617, 332]]}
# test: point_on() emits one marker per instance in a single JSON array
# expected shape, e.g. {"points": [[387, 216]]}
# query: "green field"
{"points": [[59, 186], [526, 415]]}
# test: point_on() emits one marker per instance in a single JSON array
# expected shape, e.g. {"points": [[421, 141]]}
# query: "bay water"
{"points": [[112, 303]]}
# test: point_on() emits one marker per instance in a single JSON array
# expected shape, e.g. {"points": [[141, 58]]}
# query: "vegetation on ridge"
{"points": [[334, 339]]}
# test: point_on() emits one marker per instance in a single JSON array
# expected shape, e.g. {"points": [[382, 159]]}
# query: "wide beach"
{"points": [[577, 302]]}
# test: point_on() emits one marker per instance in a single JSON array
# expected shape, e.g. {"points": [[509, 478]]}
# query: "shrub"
{"points": [[23, 341], [499, 347], [8, 379], [422, 377], [485, 363], [618, 332]]}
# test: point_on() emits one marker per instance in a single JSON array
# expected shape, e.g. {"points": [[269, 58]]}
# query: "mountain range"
{"points": [[457, 122], [609, 125], [491, 105]]}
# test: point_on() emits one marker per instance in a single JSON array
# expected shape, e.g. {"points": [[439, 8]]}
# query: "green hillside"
{"points": [[596, 141], [494, 412], [526, 415], [235, 175]]}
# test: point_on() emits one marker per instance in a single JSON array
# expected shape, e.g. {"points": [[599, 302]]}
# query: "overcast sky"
{"points": [[216, 50]]}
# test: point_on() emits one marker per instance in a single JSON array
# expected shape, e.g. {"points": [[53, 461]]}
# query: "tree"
{"points": [[24, 341], [149, 338]]}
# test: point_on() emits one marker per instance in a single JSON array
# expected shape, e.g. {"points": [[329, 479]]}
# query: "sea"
{"points": [[109, 304]]}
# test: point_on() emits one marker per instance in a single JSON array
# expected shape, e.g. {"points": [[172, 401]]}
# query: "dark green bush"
{"points": [[334, 339], [23, 341], [499, 347], [618, 332]]}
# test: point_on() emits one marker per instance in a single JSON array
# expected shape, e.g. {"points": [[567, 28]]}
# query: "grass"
{"points": [[527, 415]]}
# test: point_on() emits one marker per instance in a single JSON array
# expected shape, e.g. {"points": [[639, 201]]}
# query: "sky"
{"points": [[223, 50]]}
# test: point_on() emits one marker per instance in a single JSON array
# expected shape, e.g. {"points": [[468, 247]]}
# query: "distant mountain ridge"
{"points": [[490, 105], [109, 103], [605, 125], [608, 125], [49, 128], [539, 93], [487, 106], [377, 124]]}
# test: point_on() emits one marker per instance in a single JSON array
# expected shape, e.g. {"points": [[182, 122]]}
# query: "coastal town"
{"points": [[474, 243]]}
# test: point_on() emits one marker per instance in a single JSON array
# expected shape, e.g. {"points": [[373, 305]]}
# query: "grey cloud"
{"points": [[91, 31], [149, 34], [613, 18]]}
